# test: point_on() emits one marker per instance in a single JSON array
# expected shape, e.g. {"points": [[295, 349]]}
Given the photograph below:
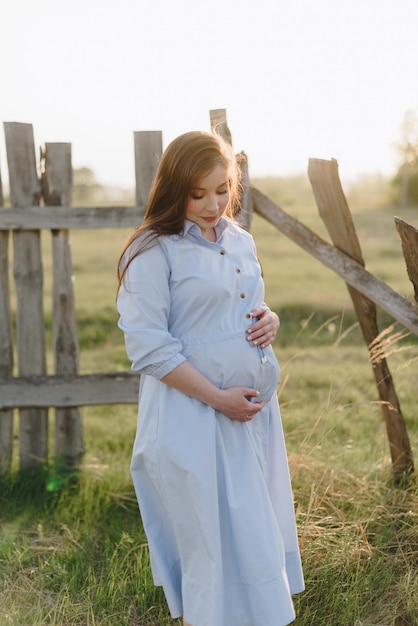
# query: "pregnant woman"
{"points": [[209, 463]]}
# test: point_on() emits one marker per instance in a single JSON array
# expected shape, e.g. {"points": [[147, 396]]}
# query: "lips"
{"points": [[210, 219]]}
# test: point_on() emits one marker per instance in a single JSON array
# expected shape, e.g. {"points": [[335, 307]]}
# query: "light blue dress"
{"points": [[214, 494]]}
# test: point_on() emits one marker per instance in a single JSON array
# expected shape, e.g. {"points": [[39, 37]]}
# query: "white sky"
{"points": [[299, 78]]}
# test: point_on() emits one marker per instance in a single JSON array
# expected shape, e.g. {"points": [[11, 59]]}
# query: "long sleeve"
{"points": [[144, 305]]}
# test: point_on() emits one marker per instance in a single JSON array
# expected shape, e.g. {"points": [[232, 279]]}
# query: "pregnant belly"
{"points": [[234, 362]]}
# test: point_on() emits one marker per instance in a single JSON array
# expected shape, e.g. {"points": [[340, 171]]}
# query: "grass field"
{"points": [[78, 555]]}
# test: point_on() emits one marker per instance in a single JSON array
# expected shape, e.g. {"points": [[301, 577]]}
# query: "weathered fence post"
{"points": [[336, 215], [57, 191], [27, 270], [6, 346], [219, 124], [409, 239], [148, 147], [245, 216]]}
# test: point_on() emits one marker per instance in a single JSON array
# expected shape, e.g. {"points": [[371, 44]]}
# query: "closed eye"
{"points": [[199, 193]]}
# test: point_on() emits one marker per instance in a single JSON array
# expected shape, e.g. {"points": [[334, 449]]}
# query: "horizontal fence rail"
{"points": [[69, 391], [60, 217]]}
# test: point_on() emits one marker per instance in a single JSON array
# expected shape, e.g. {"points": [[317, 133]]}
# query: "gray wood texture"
{"points": [[25, 191], [6, 346], [57, 189], [148, 147], [68, 391], [57, 217]]}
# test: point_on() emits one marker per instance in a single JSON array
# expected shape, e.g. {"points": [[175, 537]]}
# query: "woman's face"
{"points": [[208, 200]]}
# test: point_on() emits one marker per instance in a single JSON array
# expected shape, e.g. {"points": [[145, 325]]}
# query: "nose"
{"points": [[213, 204]]}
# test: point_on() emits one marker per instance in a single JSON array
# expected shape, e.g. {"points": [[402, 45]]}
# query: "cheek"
{"points": [[190, 208], [224, 200]]}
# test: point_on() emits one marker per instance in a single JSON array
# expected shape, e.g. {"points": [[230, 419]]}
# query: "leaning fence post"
{"points": [[333, 209], [28, 275], [57, 191], [6, 346]]}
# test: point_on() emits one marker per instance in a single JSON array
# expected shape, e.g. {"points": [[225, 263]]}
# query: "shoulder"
{"points": [[235, 231], [149, 244], [146, 253], [232, 226]]}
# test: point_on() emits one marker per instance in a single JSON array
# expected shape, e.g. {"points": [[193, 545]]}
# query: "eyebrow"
{"points": [[204, 188]]}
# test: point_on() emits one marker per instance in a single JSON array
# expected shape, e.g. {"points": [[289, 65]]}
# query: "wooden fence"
{"points": [[42, 201]]}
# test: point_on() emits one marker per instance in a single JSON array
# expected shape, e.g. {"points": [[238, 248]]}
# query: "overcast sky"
{"points": [[299, 78]]}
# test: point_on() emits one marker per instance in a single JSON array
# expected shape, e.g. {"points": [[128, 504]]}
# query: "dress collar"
{"points": [[194, 230]]}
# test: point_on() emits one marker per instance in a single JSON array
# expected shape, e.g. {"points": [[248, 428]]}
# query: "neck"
{"points": [[209, 234]]}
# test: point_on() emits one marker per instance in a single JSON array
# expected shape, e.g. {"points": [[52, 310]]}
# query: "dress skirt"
{"points": [[215, 495]]}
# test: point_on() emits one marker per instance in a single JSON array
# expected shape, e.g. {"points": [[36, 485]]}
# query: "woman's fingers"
{"points": [[240, 403], [264, 330]]}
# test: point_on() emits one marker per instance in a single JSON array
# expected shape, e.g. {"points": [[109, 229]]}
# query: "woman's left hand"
{"points": [[263, 331]]}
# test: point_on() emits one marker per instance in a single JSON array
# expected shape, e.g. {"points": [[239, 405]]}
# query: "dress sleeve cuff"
{"points": [[159, 370]]}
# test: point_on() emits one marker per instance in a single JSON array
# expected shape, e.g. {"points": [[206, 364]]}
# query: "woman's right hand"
{"points": [[234, 404], [231, 402]]}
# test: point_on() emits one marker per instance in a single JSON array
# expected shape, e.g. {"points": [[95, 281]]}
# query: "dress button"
{"points": [[248, 315], [222, 252], [242, 295], [238, 271]]}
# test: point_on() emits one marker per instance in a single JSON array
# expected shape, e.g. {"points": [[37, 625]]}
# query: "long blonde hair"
{"points": [[186, 160]]}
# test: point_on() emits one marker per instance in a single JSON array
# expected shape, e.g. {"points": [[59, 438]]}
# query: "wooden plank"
{"points": [[68, 391], [335, 213], [6, 346], [27, 270], [57, 217], [57, 189], [409, 240], [352, 272], [148, 147]]}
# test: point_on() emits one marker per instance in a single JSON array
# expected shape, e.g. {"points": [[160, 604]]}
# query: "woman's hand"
{"points": [[234, 404], [263, 331]]}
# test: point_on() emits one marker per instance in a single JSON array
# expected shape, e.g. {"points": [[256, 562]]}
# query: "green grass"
{"points": [[79, 556]]}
